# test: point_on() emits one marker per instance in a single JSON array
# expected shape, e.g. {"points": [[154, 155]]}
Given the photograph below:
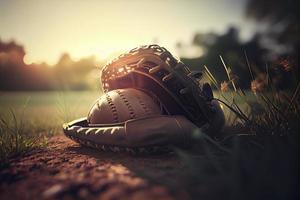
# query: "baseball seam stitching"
{"points": [[112, 108], [143, 105], [127, 103]]}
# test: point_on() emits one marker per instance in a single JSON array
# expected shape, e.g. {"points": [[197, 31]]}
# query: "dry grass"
{"points": [[257, 156], [28, 119], [18, 136]]}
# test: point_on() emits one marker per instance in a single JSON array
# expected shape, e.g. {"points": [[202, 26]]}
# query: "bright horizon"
{"points": [[82, 28]]}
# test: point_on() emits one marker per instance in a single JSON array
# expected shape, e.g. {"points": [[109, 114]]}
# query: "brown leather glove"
{"points": [[151, 100], [132, 120], [149, 134], [154, 69]]}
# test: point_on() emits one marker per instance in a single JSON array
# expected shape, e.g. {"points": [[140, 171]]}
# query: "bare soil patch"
{"points": [[66, 170]]}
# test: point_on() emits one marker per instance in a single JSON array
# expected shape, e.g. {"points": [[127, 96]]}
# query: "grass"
{"points": [[28, 119], [257, 155], [17, 137], [261, 164]]}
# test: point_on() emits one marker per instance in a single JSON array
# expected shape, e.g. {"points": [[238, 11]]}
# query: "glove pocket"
{"points": [[159, 131]]}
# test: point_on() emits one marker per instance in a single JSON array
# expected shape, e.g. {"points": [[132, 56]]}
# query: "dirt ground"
{"points": [[66, 170]]}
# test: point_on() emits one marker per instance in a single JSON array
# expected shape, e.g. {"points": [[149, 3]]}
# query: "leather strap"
{"points": [[142, 133]]}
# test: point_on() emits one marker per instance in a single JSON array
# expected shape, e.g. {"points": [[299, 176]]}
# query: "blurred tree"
{"points": [[282, 18], [229, 46], [66, 74], [74, 75]]}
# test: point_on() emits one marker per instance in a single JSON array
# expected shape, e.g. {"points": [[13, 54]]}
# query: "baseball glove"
{"points": [[130, 120], [154, 69], [151, 101]]}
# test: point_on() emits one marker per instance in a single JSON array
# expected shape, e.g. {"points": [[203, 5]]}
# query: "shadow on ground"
{"points": [[65, 170]]}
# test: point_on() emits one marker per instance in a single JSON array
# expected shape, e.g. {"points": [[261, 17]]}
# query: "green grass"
{"points": [[48, 109], [255, 158], [28, 118], [18, 136], [258, 155]]}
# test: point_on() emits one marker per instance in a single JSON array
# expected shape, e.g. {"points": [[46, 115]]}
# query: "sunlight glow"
{"points": [[83, 28], [27, 60]]}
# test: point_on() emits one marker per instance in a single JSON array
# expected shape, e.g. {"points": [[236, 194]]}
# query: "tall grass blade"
{"points": [[211, 77], [228, 74], [249, 66], [295, 95]]}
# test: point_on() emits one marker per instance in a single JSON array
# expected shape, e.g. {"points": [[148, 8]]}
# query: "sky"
{"points": [[97, 27]]}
